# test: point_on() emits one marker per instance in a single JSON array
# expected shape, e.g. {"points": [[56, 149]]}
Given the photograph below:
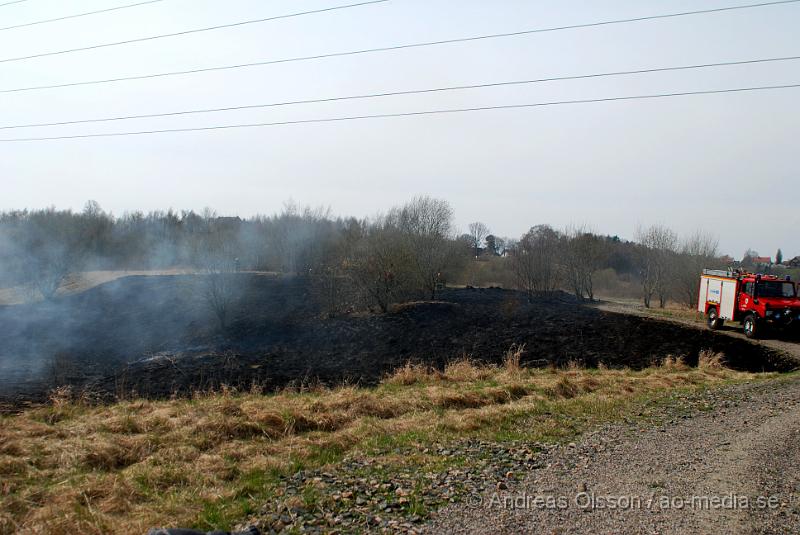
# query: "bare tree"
{"points": [[334, 275], [95, 228], [49, 270], [748, 259], [295, 239], [218, 290], [426, 225], [698, 251], [381, 265], [658, 245], [582, 254], [218, 262], [534, 260], [477, 233], [52, 247]]}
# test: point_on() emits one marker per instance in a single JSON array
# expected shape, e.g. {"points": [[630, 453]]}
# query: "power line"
{"points": [[197, 30], [382, 49], [405, 114], [398, 93], [14, 2], [67, 17]]}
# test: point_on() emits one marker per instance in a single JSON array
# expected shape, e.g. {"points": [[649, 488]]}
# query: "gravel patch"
{"points": [[373, 494], [723, 461]]}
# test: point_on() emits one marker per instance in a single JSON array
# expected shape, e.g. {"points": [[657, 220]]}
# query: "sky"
{"points": [[726, 164]]}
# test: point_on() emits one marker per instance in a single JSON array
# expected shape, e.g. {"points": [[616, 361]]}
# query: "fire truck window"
{"points": [[748, 288], [788, 289], [775, 289]]}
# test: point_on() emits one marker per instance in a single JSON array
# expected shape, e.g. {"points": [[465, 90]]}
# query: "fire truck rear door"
{"points": [[727, 300]]}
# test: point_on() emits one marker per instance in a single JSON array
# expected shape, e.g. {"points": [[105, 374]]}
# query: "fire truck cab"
{"points": [[757, 301]]}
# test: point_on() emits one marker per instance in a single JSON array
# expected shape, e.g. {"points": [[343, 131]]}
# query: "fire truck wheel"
{"points": [[751, 327], [712, 319]]}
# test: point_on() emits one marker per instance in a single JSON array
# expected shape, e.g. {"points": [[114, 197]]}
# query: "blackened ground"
{"points": [[155, 336]]}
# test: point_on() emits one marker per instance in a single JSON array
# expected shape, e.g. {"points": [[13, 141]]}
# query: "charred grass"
{"points": [[213, 460]]}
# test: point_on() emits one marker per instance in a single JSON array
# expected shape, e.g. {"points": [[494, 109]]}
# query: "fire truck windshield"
{"points": [[775, 289]]}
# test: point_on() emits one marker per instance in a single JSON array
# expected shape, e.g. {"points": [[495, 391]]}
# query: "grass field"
{"points": [[214, 460], [79, 282]]}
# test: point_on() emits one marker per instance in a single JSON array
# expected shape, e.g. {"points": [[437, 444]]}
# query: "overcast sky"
{"points": [[727, 164]]}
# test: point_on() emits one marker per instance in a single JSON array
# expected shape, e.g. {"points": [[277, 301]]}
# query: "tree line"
{"points": [[409, 252]]}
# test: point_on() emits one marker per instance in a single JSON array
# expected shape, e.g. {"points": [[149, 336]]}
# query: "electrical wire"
{"points": [[196, 30], [67, 17], [398, 93], [14, 2], [404, 114], [383, 49]]}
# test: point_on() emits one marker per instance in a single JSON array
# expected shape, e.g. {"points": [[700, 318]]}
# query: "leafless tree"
{"points": [[748, 259], [534, 260], [426, 227], [294, 241], [697, 251], [658, 247], [219, 289], [334, 274], [50, 271], [477, 233], [582, 254], [53, 249], [219, 266], [95, 229], [381, 265]]}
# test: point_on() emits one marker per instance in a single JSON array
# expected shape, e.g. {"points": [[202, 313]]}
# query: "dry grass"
{"points": [[511, 360], [708, 360], [74, 468], [673, 363], [79, 282]]}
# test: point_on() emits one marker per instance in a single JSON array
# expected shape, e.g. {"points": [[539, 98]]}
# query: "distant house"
{"points": [[727, 260], [794, 262], [761, 260]]}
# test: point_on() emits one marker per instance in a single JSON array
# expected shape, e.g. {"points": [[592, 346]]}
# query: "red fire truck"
{"points": [[757, 301]]}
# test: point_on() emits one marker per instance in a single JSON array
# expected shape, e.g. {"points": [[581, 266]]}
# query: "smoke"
{"points": [[59, 325]]}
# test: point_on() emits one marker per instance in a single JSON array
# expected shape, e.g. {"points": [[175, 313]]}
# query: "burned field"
{"points": [[155, 336]]}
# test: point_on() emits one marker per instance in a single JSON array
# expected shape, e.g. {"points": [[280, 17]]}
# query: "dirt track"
{"points": [[80, 282], [748, 445]]}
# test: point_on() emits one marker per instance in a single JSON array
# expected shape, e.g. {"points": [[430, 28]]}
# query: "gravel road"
{"points": [[700, 470]]}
